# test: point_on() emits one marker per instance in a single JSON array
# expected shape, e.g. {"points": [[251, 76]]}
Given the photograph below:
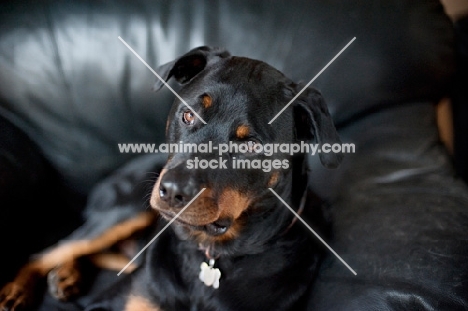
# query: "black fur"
{"points": [[269, 265]]}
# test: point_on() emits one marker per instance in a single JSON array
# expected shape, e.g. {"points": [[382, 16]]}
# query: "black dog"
{"points": [[236, 246]]}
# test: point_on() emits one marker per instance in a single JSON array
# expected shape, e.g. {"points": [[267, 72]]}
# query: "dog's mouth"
{"points": [[215, 228]]}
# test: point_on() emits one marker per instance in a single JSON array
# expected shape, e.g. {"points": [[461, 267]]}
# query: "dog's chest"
{"points": [[175, 267]]}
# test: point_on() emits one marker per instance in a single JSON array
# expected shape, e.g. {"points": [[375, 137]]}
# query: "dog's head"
{"points": [[231, 100]]}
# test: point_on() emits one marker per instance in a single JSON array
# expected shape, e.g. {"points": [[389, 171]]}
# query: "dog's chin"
{"points": [[215, 229]]}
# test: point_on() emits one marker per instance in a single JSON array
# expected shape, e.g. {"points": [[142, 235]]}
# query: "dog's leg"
{"points": [[19, 294], [65, 281], [137, 303], [114, 262]]}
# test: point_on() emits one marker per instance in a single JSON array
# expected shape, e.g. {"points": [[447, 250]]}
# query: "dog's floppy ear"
{"points": [[188, 65], [313, 121]]}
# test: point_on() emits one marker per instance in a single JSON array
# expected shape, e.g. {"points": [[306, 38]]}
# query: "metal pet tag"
{"points": [[210, 275]]}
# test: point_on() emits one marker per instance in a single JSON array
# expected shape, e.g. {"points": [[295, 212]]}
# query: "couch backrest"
{"points": [[67, 80]]}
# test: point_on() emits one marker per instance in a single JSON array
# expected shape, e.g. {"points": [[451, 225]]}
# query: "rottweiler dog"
{"points": [[230, 243]]}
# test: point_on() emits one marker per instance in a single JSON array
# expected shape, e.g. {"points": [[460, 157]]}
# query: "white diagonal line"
{"points": [[162, 80], [312, 230], [159, 233], [313, 79]]}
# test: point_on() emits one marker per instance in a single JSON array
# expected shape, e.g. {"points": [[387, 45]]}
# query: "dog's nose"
{"points": [[176, 190]]}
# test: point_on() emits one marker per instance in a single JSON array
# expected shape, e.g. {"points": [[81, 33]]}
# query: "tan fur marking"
{"points": [[27, 278], [204, 210], [71, 250], [232, 203], [201, 212], [155, 193], [114, 262], [207, 101], [273, 179], [137, 303], [242, 131]]}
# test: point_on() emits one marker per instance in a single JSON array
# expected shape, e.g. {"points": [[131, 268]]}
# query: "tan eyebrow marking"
{"points": [[273, 179], [242, 131], [207, 101]]}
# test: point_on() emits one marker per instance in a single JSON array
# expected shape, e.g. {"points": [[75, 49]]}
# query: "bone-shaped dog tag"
{"points": [[210, 275]]}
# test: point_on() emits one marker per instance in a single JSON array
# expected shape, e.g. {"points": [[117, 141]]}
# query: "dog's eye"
{"points": [[188, 117]]}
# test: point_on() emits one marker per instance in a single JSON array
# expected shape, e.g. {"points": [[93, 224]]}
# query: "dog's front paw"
{"points": [[64, 281], [14, 297]]}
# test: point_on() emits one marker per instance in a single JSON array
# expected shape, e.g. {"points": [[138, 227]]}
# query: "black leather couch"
{"points": [[70, 91]]}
